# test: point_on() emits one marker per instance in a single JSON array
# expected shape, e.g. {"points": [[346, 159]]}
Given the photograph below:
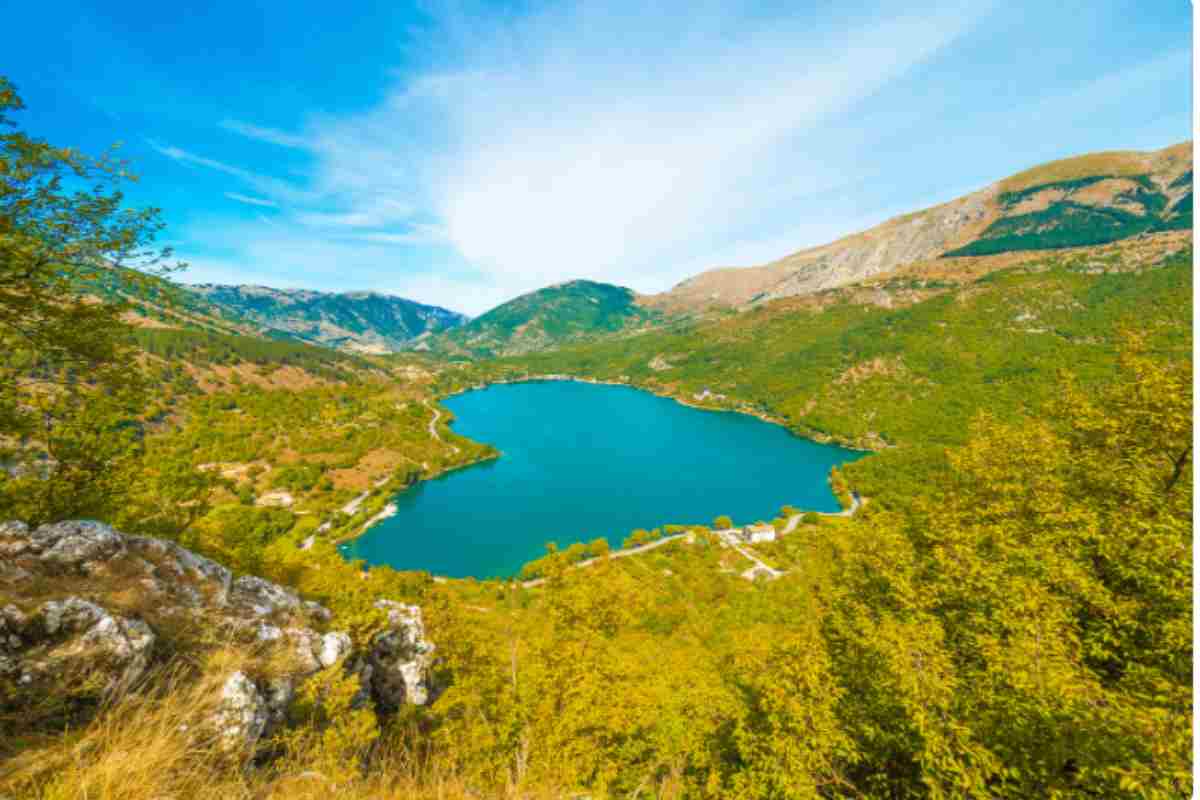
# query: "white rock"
{"points": [[395, 671], [262, 597], [333, 647], [77, 543], [243, 714], [267, 633]]}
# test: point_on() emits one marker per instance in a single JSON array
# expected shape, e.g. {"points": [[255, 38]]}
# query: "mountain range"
{"points": [[1082, 201], [359, 321]]}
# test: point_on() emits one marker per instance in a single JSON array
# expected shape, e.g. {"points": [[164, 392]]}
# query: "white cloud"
{"points": [[251, 201], [613, 143], [417, 234]]}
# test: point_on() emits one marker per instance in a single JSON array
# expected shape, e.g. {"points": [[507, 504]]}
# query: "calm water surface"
{"points": [[582, 461]]}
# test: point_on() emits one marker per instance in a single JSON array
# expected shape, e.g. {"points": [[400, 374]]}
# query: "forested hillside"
{"points": [[911, 358], [365, 322], [550, 317]]}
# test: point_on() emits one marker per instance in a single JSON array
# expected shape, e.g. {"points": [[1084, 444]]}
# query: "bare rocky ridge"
{"points": [[80, 599], [1110, 181]]}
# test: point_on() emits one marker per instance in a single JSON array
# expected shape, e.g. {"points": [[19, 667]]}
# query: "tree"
{"points": [[639, 537], [722, 523], [69, 427]]}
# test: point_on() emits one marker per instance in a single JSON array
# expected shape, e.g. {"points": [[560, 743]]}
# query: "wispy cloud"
{"points": [[609, 140], [365, 212], [251, 201], [417, 234], [269, 135], [273, 187]]}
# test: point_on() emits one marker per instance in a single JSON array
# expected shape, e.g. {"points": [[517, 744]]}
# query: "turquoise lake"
{"points": [[580, 461]]}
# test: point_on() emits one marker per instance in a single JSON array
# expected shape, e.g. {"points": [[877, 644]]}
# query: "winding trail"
{"points": [[690, 536], [433, 431], [729, 537], [390, 509]]}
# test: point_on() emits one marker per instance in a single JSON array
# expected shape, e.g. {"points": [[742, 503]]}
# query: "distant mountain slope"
{"points": [[913, 356], [361, 321], [558, 314], [1086, 200]]}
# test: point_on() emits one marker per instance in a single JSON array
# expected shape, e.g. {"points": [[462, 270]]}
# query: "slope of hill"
{"points": [[549, 317], [911, 358], [1086, 200], [362, 321]]}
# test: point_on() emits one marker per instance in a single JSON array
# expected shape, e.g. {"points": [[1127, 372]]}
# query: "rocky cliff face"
{"points": [[86, 610]]}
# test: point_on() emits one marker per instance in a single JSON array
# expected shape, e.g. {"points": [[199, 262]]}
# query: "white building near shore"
{"points": [[758, 533]]}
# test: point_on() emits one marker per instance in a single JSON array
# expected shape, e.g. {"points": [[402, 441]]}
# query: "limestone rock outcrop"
{"points": [[395, 670], [79, 598]]}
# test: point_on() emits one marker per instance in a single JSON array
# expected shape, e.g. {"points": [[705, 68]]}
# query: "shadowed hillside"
{"points": [[362, 321]]}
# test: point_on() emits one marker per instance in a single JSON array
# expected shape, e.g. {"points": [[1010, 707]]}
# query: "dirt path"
{"points": [[433, 431], [624, 553], [729, 537], [352, 507], [794, 519]]}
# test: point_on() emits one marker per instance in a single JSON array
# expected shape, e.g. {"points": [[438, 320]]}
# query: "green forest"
{"points": [[1067, 223]]}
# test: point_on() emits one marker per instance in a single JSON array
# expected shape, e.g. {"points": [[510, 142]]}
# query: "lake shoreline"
{"points": [[683, 401], [390, 509]]}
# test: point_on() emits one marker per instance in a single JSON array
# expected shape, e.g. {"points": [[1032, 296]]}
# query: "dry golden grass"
{"points": [[373, 466], [1118, 163], [157, 743]]}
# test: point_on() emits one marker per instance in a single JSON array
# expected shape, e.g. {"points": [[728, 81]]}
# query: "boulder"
{"points": [[79, 545], [334, 647], [395, 670], [174, 561], [71, 635], [261, 597]]}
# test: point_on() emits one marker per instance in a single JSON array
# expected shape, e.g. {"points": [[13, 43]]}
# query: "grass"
{"points": [[1115, 163], [158, 743]]}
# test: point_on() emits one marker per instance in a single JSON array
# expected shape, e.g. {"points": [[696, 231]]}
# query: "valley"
{"points": [[996, 394]]}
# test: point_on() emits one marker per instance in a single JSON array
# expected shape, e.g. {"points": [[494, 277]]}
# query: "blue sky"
{"points": [[461, 153]]}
